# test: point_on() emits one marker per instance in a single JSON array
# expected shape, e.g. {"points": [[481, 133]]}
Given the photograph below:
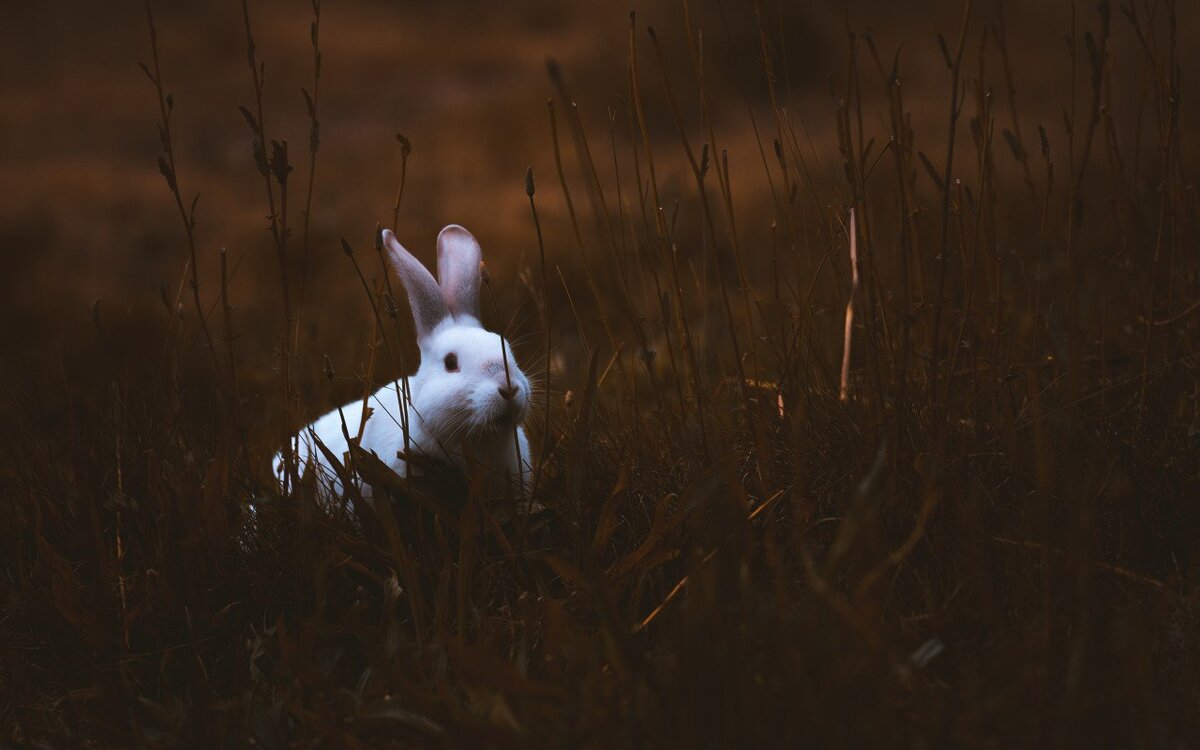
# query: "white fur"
{"points": [[451, 415]]}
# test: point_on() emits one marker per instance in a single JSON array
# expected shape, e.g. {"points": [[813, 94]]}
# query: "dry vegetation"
{"points": [[981, 531]]}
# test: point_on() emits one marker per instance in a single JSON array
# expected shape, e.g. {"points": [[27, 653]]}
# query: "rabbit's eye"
{"points": [[451, 362]]}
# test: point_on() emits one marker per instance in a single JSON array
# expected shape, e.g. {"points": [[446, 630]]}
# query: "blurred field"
{"points": [[85, 217], [990, 540]]}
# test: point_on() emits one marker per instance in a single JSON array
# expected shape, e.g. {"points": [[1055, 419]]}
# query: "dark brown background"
{"points": [[85, 214]]}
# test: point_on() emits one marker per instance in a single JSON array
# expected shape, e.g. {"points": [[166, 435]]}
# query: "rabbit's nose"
{"points": [[507, 391]]}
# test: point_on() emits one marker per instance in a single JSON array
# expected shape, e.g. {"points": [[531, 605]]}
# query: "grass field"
{"points": [[869, 344]]}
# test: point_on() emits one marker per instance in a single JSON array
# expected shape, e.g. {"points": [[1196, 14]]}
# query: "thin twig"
{"points": [[844, 391]]}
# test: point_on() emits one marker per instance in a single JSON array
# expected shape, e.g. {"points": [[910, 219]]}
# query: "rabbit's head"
{"points": [[469, 385]]}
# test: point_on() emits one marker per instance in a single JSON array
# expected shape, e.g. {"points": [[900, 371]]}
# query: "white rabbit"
{"points": [[462, 400]]}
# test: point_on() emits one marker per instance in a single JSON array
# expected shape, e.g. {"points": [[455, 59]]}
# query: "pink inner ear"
{"points": [[458, 271], [424, 295]]}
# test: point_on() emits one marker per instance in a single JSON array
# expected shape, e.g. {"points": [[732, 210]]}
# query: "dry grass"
{"points": [[952, 502]]}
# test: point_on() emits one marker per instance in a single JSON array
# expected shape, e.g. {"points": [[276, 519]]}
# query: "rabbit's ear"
{"points": [[458, 271], [424, 295]]}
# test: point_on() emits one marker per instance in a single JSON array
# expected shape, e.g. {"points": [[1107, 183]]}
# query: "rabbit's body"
{"points": [[467, 399]]}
